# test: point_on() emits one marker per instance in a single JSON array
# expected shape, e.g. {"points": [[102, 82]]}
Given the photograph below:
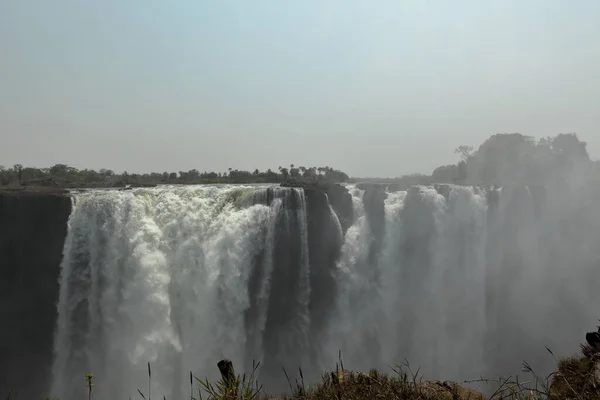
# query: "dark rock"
{"points": [[341, 201], [324, 247], [227, 371], [338, 196], [374, 202], [286, 288], [443, 189], [593, 339], [33, 227]]}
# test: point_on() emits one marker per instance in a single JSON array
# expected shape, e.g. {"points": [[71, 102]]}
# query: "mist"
{"points": [[475, 280], [459, 280], [148, 215]]}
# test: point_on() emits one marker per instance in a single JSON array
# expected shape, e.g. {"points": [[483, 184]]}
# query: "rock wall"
{"points": [[33, 227], [324, 246], [374, 202], [324, 232]]}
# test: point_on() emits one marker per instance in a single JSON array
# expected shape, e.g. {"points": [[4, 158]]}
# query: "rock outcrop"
{"points": [[33, 227], [325, 242], [329, 213], [324, 247], [337, 195], [374, 202]]}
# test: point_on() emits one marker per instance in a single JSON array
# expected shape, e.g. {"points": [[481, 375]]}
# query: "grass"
{"points": [[349, 385], [576, 378]]}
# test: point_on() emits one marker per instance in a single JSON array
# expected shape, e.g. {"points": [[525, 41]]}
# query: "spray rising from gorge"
{"points": [[461, 281], [463, 278]]}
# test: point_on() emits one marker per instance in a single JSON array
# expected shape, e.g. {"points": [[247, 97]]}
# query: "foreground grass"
{"points": [[576, 377], [376, 385]]}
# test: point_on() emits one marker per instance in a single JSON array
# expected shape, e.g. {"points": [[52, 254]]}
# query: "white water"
{"points": [[160, 276], [459, 287], [265, 284], [379, 304], [463, 288]]}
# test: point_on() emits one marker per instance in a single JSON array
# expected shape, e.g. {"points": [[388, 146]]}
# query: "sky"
{"points": [[374, 88]]}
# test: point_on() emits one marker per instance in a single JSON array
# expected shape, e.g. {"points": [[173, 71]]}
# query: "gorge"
{"points": [[461, 281]]}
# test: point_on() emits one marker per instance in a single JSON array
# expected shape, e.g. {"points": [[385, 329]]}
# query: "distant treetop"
{"points": [[502, 159], [65, 176]]}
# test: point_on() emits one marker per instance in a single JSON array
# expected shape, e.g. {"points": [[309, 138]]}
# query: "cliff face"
{"points": [[324, 247], [341, 202], [33, 227], [374, 201], [324, 241]]}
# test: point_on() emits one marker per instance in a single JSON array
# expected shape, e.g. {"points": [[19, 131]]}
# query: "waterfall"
{"points": [[162, 276], [354, 281], [263, 291], [459, 281], [411, 304], [287, 325]]}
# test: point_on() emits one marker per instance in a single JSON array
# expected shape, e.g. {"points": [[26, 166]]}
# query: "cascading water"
{"points": [[162, 276], [459, 281], [398, 307], [466, 281], [352, 321], [285, 335]]}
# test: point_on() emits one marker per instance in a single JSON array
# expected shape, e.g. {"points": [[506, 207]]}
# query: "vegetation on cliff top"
{"points": [[508, 159], [501, 159], [64, 176]]}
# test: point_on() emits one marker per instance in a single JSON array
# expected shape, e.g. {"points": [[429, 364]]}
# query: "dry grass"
{"points": [[348, 385], [576, 378]]}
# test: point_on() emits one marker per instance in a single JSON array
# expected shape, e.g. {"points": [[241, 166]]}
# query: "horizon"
{"points": [[277, 170], [375, 92]]}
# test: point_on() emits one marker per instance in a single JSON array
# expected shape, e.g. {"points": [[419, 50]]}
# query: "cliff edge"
{"points": [[33, 228]]}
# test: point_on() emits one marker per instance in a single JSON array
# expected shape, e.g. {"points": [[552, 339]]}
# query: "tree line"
{"points": [[502, 159], [517, 158], [65, 176], [509, 158]]}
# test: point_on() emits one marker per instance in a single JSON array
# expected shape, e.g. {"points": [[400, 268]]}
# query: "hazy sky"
{"points": [[375, 88]]}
